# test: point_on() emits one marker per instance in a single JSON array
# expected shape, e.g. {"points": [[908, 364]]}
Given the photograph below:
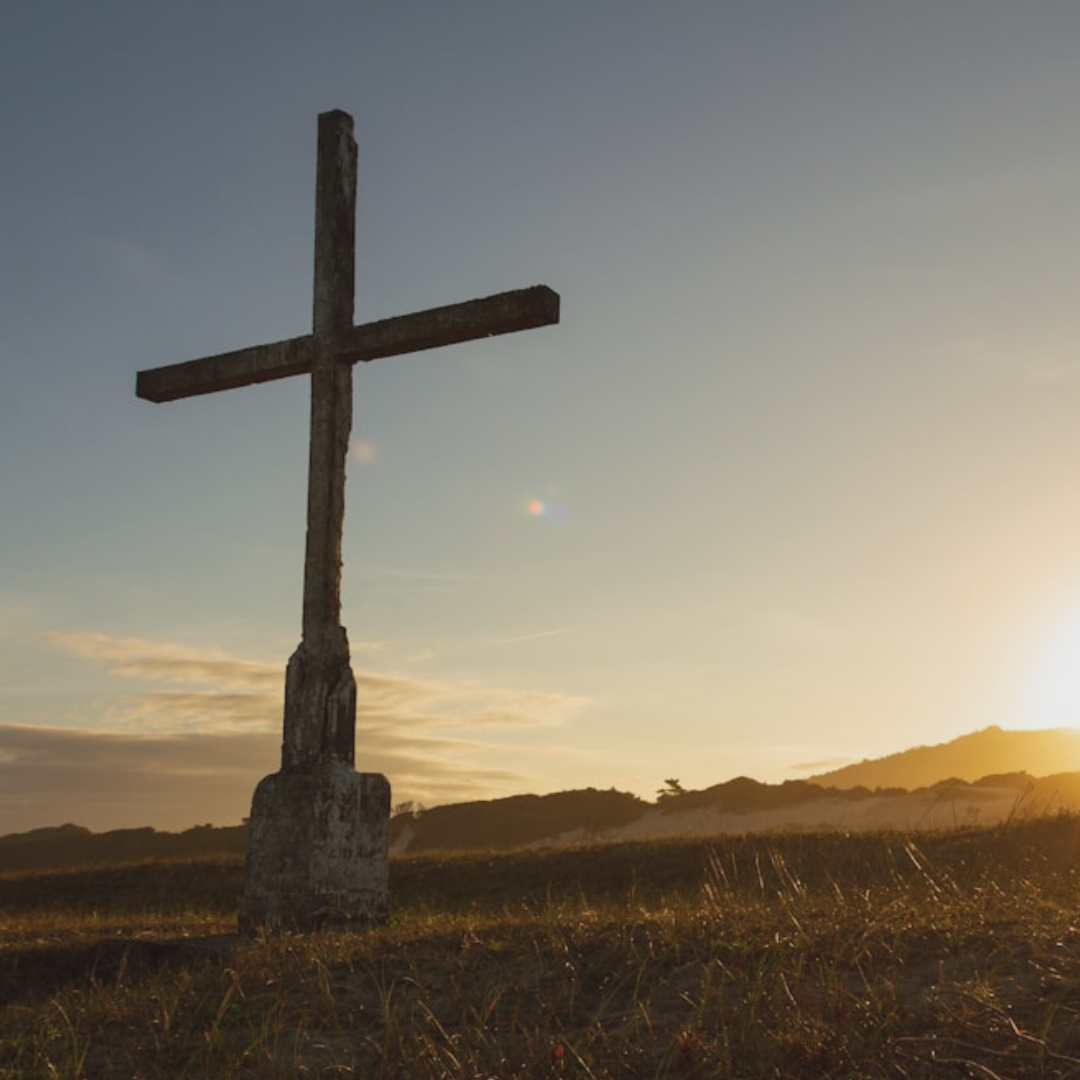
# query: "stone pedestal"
{"points": [[318, 850]]}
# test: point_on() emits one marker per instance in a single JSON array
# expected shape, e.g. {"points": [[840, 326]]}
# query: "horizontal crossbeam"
{"points": [[259, 363], [504, 313]]}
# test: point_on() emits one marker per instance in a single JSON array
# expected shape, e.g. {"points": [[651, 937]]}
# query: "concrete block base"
{"points": [[318, 848]]}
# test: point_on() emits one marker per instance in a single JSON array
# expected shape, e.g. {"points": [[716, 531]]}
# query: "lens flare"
{"points": [[551, 509], [363, 451]]}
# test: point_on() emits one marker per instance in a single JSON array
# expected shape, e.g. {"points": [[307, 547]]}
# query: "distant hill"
{"points": [[71, 845], [983, 753], [979, 779], [741, 805], [737, 806], [518, 821]]}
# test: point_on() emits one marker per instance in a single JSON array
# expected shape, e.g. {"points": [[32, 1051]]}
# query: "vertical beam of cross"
{"points": [[320, 690], [331, 380]]}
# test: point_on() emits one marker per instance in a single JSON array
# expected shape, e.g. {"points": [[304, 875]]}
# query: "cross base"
{"points": [[320, 704], [318, 848]]}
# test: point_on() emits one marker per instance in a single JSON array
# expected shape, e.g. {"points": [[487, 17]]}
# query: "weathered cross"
{"points": [[320, 692]]}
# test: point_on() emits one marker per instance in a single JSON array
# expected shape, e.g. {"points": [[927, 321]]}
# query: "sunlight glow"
{"points": [[1051, 692]]}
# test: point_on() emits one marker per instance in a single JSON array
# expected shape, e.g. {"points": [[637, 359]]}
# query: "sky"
{"points": [[792, 483]]}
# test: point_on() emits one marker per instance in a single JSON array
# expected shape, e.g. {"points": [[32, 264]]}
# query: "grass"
{"points": [[801, 955]]}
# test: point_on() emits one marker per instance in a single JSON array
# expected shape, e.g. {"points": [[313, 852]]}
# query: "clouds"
{"points": [[534, 636], [129, 261], [176, 663], [197, 729], [107, 780], [223, 693], [1038, 361]]}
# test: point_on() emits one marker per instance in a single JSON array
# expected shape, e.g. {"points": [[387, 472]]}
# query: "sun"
{"points": [[1050, 693]]}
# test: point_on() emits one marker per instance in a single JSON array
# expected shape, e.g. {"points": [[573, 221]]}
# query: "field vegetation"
{"points": [[788, 955]]}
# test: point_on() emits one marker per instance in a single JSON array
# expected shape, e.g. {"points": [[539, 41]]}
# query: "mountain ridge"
{"points": [[990, 750], [847, 799]]}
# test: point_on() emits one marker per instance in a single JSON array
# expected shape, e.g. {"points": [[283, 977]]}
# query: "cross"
{"points": [[320, 694]]}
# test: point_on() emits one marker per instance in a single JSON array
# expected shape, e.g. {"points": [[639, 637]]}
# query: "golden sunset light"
{"points": [[788, 480]]}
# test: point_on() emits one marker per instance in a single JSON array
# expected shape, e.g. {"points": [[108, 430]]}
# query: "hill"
{"points": [[935, 787], [74, 846], [969, 757], [737, 806]]}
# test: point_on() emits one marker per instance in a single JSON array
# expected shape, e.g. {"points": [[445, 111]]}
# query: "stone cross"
{"points": [[318, 843]]}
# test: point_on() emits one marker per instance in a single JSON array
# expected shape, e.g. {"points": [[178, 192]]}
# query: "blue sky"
{"points": [[805, 441]]}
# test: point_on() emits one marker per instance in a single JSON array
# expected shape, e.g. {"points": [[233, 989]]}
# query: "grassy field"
{"points": [[803, 955]]}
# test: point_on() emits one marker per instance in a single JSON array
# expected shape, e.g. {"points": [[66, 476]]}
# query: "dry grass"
{"points": [[769, 956]]}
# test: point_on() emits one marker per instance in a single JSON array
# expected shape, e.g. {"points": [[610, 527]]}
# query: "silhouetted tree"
{"points": [[670, 789]]}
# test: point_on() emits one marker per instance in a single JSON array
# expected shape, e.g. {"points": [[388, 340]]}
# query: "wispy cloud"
{"points": [[107, 780], [458, 704], [1007, 191], [401, 579], [785, 626], [534, 636], [136, 658], [127, 260], [23, 610], [821, 765], [222, 692], [217, 718], [1037, 364]]}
